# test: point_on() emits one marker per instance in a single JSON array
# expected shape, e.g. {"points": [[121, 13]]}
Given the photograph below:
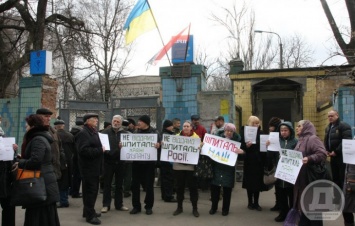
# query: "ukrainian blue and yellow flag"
{"points": [[140, 20]]}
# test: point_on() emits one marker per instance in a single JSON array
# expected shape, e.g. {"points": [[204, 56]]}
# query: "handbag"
{"points": [[269, 176], [29, 190], [317, 171], [292, 218], [350, 181], [203, 169]]}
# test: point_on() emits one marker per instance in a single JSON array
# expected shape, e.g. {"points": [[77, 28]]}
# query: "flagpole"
{"points": [[161, 38]]}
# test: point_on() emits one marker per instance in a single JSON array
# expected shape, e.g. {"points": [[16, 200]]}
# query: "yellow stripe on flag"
{"points": [[139, 25]]}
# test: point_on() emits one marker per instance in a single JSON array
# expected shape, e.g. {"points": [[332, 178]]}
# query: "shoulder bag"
{"points": [[28, 189]]}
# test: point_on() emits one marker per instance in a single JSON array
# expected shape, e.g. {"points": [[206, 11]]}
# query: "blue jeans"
{"points": [[64, 197]]}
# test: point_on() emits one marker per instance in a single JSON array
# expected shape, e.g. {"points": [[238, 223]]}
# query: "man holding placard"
{"points": [[143, 169]]}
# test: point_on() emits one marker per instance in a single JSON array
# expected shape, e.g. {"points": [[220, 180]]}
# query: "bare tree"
{"points": [[241, 42], [104, 48], [23, 29], [348, 49]]}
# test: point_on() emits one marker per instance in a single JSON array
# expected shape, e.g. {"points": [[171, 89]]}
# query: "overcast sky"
{"points": [[285, 17]]}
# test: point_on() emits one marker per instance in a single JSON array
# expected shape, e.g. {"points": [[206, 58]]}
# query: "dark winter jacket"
{"points": [[253, 167], [68, 144], [224, 175], [90, 152], [312, 147], [339, 131], [287, 143], [113, 156], [38, 156], [56, 148]]}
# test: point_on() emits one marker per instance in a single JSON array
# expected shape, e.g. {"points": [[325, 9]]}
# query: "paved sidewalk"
{"points": [[162, 212]]}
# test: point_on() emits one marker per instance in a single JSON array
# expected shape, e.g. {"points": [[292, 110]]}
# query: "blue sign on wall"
{"points": [[179, 49], [40, 62]]}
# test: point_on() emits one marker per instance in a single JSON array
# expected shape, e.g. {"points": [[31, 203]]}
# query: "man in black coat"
{"points": [[334, 133], [90, 151], [76, 178], [68, 145], [143, 172], [113, 166]]}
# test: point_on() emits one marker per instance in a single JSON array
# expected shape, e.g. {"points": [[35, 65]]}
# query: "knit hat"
{"points": [[230, 126], [145, 119], [195, 117], [130, 120], [79, 123], [275, 121], [125, 122], [167, 123], [106, 124]]}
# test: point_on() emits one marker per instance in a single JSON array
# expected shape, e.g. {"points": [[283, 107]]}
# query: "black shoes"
{"points": [[78, 196], [212, 211], [149, 211], [280, 218], [177, 211], [225, 213], [96, 215], [94, 221], [195, 213], [257, 207], [63, 205], [134, 211], [251, 207], [170, 200]]}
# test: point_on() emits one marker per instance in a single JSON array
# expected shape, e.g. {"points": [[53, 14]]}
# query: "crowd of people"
{"points": [[77, 159]]}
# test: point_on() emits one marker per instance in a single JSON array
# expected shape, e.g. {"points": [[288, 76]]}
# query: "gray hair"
{"points": [[118, 116]]}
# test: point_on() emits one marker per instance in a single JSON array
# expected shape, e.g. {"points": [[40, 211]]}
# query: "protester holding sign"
{"points": [[253, 169], [285, 189], [143, 172], [314, 152], [166, 169], [224, 175], [184, 177]]}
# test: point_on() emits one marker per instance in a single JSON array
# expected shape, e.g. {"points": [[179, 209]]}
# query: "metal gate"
{"points": [[73, 110]]}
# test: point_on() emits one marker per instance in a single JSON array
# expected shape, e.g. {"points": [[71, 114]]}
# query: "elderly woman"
{"points": [[224, 175], [253, 169], [37, 156], [313, 152], [184, 177]]}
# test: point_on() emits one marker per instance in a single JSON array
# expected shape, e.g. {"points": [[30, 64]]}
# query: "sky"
{"points": [[285, 17]]}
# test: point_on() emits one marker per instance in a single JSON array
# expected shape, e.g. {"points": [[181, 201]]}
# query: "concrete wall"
{"points": [[215, 103]]}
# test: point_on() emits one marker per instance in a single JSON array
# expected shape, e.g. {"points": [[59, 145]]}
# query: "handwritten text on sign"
{"points": [[220, 149], [139, 147], [289, 165], [180, 149]]}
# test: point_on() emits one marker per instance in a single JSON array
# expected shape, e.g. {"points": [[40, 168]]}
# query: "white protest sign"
{"points": [[274, 138], [250, 133], [263, 140], [139, 147], [6, 148], [180, 149], [289, 165], [104, 141], [348, 151], [220, 149]]}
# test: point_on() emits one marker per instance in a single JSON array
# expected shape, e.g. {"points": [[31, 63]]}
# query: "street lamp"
{"points": [[280, 43]]}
